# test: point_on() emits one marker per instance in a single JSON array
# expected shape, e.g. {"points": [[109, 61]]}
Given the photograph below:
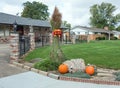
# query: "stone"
{"points": [[75, 65], [35, 70], [26, 67], [104, 78], [100, 70], [104, 74], [54, 76], [14, 63], [43, 73], [20, 65], [70, 65]]}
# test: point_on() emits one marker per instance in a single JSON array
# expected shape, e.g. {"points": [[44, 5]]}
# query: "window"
{"points": [[78, 32], [1, 32], [6, 32]]}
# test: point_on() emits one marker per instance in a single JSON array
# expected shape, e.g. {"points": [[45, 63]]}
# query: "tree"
{"points": [[56, 53], [35, 10], [66, 24], [118, 28], [103, 15]]}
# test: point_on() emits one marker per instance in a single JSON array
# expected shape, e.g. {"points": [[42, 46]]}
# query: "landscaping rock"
{"points": [[35, 60], [101, 70], [104, 74], [75, 65], [103, 78]]}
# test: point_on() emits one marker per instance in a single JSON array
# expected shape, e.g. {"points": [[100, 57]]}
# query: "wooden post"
{"points": [[109, 35], [88, 37]]}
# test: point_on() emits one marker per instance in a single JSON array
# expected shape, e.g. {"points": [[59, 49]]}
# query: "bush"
{"points": [[78, 74], [117, 76], [47, 65], [113, 38], [100, 38]]}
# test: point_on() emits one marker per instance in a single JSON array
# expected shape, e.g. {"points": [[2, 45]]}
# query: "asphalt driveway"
{"points": [[6, 69]]}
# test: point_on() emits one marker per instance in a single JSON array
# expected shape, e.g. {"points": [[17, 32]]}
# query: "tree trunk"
{"points": [[56, 53]]}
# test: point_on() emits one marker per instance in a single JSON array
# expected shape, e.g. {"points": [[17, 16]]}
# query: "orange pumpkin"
{"points": [[63, 68], [57, 32], [90, 70]]}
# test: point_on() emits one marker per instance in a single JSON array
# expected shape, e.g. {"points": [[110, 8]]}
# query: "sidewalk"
{"points": [[34, 80], [7, 69]]}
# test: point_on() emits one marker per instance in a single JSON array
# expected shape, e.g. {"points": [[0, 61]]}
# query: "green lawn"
{"points": [[100, 53]]}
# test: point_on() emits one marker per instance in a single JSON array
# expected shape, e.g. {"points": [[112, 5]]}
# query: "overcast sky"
{"points": [[75, 12]]}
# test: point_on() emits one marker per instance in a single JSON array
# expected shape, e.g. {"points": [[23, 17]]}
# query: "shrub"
{"points": [[47, 65], [113, 38], [117, 76], [117, 73], [100, 38]]}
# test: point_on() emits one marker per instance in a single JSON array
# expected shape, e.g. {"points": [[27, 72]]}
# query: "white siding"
{"points": [[79, 31]]}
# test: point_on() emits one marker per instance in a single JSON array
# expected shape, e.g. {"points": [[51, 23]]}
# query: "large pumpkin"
{"points": [[63, 68], [90, 70]]}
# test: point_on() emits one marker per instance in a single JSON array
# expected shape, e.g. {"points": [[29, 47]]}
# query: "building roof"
{"points": [[93, 29], [10, 19]]}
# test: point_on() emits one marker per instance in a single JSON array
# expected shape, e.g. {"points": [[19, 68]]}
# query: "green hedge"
{"points": [[47, 65], [100, 38]]}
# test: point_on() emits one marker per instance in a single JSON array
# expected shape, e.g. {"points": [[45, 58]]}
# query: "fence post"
{"points": [[65, 39], [32, 41], [14, 46], [42, 41]]}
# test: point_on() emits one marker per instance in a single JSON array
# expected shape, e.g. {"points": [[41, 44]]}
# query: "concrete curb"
{"points": [[59, 77], [89, 80], [43, 73], [51, 75]]}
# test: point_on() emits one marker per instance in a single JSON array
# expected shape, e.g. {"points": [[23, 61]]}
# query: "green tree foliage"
{"points": [[66, 24], [35, 10], [118, 28], [103, 15]]}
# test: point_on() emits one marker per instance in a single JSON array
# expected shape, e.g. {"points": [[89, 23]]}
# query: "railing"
{"points": [[42, 41], [24, 44], [74, 39]]}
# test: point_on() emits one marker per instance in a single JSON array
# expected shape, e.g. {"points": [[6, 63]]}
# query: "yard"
{"points": [[104, 54]]}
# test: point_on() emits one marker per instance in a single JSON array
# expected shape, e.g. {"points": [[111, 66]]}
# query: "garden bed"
{"points": [[102, 74]]}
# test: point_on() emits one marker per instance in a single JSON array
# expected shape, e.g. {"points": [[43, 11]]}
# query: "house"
{"points": [[40, 28], [23, 25], [90, 33], [116, 34]]}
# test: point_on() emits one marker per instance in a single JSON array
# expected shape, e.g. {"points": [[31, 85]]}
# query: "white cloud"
{"points": [[75, 12], [11, 9]]}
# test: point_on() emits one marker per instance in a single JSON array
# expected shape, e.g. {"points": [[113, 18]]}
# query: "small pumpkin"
{"points": [[63, 68], [57, 32], [90, 70]]}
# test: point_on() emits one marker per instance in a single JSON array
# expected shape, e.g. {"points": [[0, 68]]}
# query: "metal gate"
{"points": [[42, 41], [24, 44]]}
